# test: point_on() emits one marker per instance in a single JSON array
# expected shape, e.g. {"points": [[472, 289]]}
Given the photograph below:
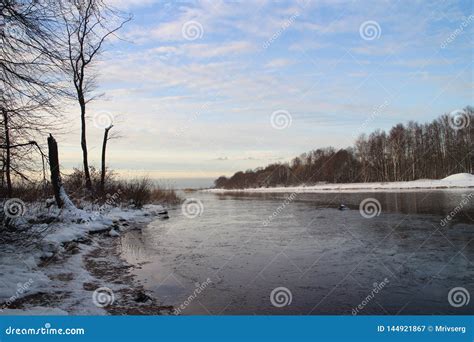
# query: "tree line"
{"points": [[406, 152], [49, 49]]}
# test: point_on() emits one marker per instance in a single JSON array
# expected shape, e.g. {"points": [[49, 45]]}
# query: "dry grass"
{"points": [[136, 192]]}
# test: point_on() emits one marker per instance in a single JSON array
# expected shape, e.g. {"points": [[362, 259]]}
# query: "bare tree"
{"points": [[30, 82], [432, 150], [88, 23]]}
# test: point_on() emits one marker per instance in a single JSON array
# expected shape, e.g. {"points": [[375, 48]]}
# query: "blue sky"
{"points": [[199, 103]]}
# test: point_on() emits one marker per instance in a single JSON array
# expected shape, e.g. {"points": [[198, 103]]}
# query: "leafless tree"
{"points": [[30, 82], [407, 152], [88, 24]]}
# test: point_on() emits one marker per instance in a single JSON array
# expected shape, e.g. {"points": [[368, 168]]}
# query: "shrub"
{"points": [[137, 192]]}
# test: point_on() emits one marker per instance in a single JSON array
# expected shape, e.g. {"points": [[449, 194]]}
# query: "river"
{"points": [[298, 254]]}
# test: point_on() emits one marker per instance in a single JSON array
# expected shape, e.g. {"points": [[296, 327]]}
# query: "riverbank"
{"points": [[76, 269], [456, 181]]}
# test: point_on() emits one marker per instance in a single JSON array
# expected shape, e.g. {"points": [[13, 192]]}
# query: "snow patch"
{"points": [[456, 181], [460, 177], [20, 274]]}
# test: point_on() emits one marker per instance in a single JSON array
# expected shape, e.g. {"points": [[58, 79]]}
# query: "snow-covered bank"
{"points": [[456, 181], [54, 273]]}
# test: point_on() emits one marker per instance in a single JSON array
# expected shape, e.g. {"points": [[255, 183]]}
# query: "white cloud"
{"points": [[278, 63], [128, 4]]}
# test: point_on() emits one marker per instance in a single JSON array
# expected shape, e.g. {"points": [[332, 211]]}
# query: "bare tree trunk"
{"points": [[7, 153], [84, 144], [104, 148], [54, 167]]}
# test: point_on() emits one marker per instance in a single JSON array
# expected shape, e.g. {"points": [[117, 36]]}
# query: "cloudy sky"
{"points": [[206, 88]]}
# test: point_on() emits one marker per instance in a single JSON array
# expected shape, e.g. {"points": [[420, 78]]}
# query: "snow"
{"points": [[23, 271], [114, 233], [460, 177], [456, 181], [65, 198]]}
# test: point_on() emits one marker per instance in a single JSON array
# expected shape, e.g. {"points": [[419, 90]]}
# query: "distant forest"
{"points": [[407, 152]]}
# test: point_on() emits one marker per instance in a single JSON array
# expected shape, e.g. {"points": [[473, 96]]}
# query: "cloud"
{"points": [[128, 4], [219, 92], [278, 63]]}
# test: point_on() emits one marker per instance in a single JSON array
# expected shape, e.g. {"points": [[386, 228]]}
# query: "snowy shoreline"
{"points": [[454, 182], [77, 256]]}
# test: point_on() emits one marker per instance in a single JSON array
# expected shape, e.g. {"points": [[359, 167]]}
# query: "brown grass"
{"points": [[136, 192]]}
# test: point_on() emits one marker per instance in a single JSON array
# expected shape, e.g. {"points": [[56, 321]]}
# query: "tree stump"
{"points": [[54, 168]]}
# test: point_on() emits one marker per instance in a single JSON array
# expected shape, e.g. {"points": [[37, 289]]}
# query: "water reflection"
{"points": [[437, 202]]}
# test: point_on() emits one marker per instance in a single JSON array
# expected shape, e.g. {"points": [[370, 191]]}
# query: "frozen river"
{"points": [[314, 258]]}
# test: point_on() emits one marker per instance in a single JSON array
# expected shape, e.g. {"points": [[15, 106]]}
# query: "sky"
{"points": [[199, 89]]}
